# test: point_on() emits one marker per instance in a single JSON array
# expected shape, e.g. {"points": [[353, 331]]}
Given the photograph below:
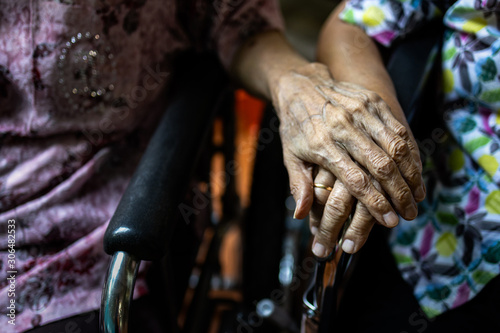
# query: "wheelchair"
{"points": [[148, 223]]}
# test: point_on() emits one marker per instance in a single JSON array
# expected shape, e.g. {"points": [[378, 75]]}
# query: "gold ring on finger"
{"points": [[322, 186]]}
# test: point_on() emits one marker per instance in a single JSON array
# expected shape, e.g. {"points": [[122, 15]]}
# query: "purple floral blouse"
{"points": [[81, 85]]}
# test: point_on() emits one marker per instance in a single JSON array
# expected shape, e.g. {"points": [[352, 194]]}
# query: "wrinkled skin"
{"points": [[364, 147], [364, 152]]}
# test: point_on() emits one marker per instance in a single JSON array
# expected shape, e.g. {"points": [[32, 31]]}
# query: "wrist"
{"points": [[263, 60], [285, 77], [279, 70]]}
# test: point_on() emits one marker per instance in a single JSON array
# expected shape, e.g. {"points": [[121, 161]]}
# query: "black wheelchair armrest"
{"points": [[143, 223]]}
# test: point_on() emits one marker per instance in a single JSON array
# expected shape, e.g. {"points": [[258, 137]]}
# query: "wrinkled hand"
{"points": [[337, 126], [329, 213]]}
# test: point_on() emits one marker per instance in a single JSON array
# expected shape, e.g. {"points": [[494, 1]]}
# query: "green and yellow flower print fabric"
{"points": [[452, 249]]}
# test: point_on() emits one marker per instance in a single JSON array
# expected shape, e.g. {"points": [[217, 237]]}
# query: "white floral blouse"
{"points": [[452, 249]]}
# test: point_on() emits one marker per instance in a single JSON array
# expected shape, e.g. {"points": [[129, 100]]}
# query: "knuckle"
{"points": [[337, 208], [398, 149], [411, 145], [358, 106], [317, 141], [363, 98], [401, 131], [378, 203], [357, 180], [403, 194], [381, 104], [322, 157], [359, 230], [383, 166], [373, 97], [339, 118], [414, 176], [325, 235], [314, 144]]}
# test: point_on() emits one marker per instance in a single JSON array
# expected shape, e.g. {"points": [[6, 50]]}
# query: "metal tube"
{"points": [[276, 314], [117, 293]]}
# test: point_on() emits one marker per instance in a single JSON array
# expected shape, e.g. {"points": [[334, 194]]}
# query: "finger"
{"points": [[378, 163], [400, 151], [319, 150], [315, 217], [337, 210], [399, 148], [301, 184], [405, 153], [359, 229], [401, 128], [326, 178], [353, 113], [361, 224], [337, 161]]}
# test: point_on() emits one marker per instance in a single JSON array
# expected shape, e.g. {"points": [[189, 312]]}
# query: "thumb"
{"points": [[301, 186]]}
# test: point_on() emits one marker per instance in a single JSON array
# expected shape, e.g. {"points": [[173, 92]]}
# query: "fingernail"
{"points": [[391, 219], [348, 246], [314, 230], [319, 250], [420, 193], [297, 208], [411, 211]]}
